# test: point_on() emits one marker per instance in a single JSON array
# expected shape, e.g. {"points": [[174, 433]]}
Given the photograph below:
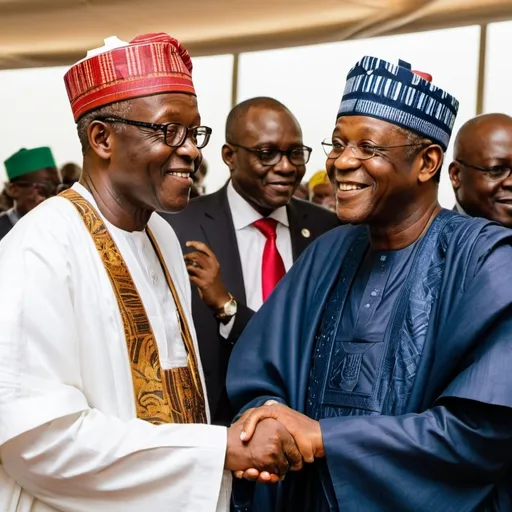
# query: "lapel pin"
{"points": [[306, 233]]}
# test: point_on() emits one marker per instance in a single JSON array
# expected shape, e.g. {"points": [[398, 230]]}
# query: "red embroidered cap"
{"points": [[149, 64]]}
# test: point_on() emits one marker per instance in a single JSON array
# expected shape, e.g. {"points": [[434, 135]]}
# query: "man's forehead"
{"points": [[487, 138], [365, 126], [167, 105], [269, 122], [498, 131], [481, 126], [268, 115]]}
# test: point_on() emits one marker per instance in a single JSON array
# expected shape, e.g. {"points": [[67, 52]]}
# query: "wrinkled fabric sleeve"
{"points": [[484, 373], [52, 443], [447, 458], [454, 454], [90, 461]]}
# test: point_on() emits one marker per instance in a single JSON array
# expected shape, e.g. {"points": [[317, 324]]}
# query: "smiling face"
{"points": [[143, 170], [484, 142], [265, 127], [389, 187]]}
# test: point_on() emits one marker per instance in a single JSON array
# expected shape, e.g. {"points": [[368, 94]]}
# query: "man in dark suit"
{"points": [[247, 235], [33, 177]]}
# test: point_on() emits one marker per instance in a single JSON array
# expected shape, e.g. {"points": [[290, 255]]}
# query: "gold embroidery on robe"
{"points": [[161, 396]]}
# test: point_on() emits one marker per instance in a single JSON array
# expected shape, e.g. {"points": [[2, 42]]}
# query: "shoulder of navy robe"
{"points": [[298, 298], [387, 462]]}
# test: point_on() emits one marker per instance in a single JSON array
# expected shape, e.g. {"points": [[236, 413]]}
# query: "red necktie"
{"points": [[272, 266]]}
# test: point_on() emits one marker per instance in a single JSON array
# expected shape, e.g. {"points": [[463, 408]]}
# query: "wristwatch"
{"points": [[226, 312]]}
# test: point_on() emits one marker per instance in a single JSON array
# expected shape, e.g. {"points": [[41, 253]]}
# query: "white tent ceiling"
{"points": [[59, 32]]}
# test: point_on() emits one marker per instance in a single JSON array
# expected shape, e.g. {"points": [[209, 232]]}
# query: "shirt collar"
{"points": [[244, 214], [78, 187], [13, 215]]}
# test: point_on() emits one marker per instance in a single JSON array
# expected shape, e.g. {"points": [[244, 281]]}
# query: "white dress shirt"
{"points": [[251, 243], [159, 303]]}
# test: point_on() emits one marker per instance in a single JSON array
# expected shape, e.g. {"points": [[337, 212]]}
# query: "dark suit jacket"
{"points": [[208, 219], [5, 225]]}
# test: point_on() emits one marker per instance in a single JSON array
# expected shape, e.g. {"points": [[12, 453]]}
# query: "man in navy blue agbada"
{"points": [[386, 350]]}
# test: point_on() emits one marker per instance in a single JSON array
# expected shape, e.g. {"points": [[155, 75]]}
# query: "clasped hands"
{"points": [[269, 440]]}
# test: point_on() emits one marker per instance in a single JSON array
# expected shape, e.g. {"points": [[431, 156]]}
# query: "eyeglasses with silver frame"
{"points": [[334, 149]]}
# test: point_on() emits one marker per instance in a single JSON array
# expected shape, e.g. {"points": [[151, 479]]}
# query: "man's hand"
{"points": [[305, 431], [270, 454], [204, 271]]}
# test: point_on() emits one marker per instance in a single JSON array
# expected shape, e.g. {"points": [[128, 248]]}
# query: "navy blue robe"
{"points": [[446, 444]]}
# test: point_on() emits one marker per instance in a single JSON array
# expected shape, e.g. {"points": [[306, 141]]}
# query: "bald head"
{"points": [[483, 153], [237, 118], [478, 133]]}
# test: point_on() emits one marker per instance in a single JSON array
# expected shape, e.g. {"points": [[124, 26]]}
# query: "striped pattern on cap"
{"points": [[397, 94], [150, 64]]}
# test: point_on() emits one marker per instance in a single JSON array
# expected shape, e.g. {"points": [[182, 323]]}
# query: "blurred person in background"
{"points": [[481, 172], [6, 201], [321, 191], [198, 188], [33, 177], [302, 192], [69, 174]]}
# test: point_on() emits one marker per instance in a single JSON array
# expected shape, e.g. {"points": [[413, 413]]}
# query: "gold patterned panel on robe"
{"points": [[161, 396]]}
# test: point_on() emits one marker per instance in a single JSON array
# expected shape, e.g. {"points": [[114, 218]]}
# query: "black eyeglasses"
{"points": [[334, 149], [175, 134], [494, 173], [272, 156], [45, 189]]}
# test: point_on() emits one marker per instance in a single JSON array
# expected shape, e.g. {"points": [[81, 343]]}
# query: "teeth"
{"points": [[180, 174], [349, 186]]}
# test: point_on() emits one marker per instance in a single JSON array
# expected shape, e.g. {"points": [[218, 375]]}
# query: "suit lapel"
{"points": [[219, 231], [299, 232], [5, 225]]}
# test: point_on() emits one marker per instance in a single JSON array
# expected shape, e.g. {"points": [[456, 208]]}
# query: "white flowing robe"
{"points": [[69, 436]]}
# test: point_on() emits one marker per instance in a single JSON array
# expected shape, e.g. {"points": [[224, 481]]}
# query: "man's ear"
{"points": [[454, 171], [228, 155], [430, 163], [101, 138]]}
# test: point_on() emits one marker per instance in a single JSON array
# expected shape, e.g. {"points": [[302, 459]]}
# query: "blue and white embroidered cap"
{"points": [[403, 97]]}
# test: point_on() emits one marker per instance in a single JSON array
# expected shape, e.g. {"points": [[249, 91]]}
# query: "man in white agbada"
{"points": [[102, 402]]}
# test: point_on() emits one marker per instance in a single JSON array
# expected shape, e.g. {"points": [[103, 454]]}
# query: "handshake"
{"points": [[269, 440]]}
